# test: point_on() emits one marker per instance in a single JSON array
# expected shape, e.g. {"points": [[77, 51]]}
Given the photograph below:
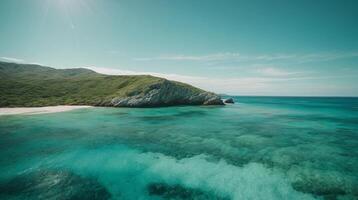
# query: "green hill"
{"points": [[33, 85]]}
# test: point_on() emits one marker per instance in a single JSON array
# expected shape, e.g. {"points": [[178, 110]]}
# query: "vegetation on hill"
{"points": [[33, 85]]}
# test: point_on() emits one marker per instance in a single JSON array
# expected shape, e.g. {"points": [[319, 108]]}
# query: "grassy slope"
{"points": [[33, 85]]}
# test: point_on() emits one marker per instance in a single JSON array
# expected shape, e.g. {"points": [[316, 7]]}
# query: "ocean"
{"points": [[258, 148]]}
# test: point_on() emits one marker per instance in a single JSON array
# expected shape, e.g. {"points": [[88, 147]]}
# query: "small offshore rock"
{"points": [[229, 100]]}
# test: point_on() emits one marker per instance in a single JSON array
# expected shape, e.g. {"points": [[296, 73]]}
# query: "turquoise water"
{"points": [[258, 148]]}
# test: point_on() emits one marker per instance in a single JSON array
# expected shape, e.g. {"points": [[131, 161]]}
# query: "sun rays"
{"points": [[68, 10]]}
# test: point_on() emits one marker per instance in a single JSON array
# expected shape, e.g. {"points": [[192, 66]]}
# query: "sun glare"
{"points": [[67, 9]]}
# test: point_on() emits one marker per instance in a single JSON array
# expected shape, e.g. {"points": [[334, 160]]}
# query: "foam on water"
{"points": [[127, 173]]}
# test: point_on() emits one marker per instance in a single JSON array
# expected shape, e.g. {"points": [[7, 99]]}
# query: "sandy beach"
{"points": [[38, 110]]}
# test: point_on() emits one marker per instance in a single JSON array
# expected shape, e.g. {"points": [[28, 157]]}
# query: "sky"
{"points": [[284, 48]]}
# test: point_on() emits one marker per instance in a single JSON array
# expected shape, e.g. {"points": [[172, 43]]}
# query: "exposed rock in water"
{"points": [[229, 100], [167, 93], [51, 184]]}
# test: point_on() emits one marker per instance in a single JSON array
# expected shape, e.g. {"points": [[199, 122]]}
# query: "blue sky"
{"points": [[290, 48]]}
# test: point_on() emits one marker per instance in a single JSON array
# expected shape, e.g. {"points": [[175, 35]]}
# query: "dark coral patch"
{"points": [[52, 184]]}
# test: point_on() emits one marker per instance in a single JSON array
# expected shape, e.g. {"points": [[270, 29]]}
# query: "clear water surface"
{"points": [[258, 148]]}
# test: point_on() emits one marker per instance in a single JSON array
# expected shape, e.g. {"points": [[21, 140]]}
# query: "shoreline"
{"points": [[38, 110]]}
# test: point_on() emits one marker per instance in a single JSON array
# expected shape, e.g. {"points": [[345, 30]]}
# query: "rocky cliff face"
{"points": [[166, 93]]}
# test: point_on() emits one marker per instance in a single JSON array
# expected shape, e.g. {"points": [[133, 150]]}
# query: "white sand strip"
{"points": [[38, 110]]}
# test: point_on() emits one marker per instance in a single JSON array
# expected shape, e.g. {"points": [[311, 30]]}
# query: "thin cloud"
{"points": [[271, 71], [20, 61], [9, 59], [111, 71], [209, 57], [241, 85], [237, 57], [212, 84]]}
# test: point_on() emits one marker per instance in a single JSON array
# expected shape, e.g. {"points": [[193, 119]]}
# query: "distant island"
{"points": [[28, 85]]}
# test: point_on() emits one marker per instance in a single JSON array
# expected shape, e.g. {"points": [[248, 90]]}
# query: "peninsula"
{"points": [[28, 85]]}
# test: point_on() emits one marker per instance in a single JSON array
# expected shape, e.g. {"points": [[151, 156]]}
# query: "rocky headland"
{"points": [[26, 85]]}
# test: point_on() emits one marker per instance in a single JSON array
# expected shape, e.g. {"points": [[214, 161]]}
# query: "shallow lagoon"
{"points": [[258, 148]]}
